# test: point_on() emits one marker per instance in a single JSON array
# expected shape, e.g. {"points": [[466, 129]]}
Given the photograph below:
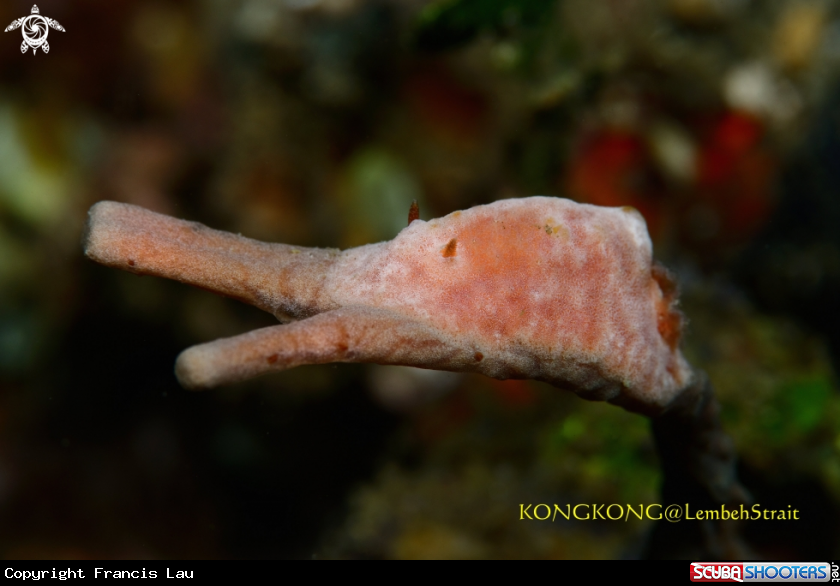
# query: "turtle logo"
{"points": [[35, 30]]}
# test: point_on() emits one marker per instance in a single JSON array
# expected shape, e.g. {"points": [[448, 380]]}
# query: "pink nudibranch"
{"points": [[541, 288]]}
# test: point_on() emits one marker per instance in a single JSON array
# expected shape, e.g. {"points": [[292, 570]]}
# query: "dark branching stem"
{"points": [[699, 471]]}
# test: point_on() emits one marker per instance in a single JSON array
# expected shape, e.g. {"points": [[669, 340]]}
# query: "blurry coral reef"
{"points": [[318, 122]]}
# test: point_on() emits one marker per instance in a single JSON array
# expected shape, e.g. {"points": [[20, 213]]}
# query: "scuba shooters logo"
{"points": [[35, 29], [717, 572], [762, 572]]}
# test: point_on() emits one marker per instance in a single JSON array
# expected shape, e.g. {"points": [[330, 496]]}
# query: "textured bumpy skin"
{"points": [[541, 288]]}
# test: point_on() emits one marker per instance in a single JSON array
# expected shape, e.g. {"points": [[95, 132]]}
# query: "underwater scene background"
{"points": [[317, 123]]}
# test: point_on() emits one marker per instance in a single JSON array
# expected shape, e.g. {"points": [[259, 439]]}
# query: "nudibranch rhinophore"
{"points": [[539, 288]]}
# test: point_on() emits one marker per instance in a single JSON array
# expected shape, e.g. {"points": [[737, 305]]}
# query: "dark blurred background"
{"points": [[317, 122]]}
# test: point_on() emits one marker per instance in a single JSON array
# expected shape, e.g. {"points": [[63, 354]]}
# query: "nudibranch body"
{"points": [[540, 287]]}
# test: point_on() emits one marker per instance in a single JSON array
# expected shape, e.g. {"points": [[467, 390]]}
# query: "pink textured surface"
{"points": [[540, 288]]}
